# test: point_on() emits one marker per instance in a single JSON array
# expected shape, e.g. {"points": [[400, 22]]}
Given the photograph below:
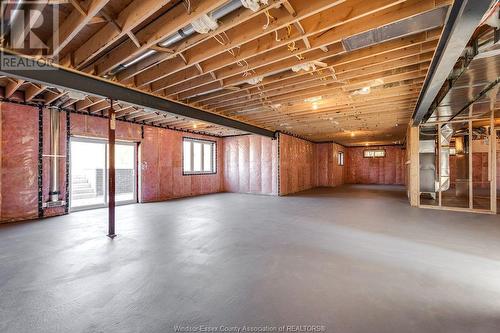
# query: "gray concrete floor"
{"points": [[354, 259]]}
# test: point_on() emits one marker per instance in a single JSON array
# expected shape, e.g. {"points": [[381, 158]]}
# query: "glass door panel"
{"points": [[88, 181], [90, 172], [125, 162]]}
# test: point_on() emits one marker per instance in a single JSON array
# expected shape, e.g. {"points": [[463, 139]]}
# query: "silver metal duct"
{"points": [[427, 157], [422, 22], [187, 31], [444, 157]]}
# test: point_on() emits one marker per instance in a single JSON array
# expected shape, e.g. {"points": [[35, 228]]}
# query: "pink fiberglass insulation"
{"points": [[19, 162], [329, 172], [297, 164], [382, 170], [250, 164], [161, 167], [160, 156], [150, 185], [89, 126]]}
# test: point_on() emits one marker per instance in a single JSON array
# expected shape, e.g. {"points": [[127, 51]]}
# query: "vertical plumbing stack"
{"points": [[54, 185]]}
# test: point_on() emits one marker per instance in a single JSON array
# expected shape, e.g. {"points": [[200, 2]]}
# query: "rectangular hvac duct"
{"points": [[422, 22]]}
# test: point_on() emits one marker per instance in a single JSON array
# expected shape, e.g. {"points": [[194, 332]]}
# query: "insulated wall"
{"points": [[251, 164], [380, 170], [19, 161], [297, 164], [329, 172], [160, 156], [161, 167]]}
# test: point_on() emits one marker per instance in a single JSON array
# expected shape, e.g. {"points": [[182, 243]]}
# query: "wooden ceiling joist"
{"points": [[12, 86], [242, 70], [128, 19], [232, 74], [74, 23], [33, 90], [154, 33]]}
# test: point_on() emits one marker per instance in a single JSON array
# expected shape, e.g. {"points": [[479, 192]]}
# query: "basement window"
{"points": [[198, 157], [340, 158], [372, 153]]}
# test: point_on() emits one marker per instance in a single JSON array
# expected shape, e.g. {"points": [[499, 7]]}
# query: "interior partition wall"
{"points": [[457, 160], [89, 169]]}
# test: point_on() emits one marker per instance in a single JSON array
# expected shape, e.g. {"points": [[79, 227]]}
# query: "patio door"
{"points": [[89, 173]]}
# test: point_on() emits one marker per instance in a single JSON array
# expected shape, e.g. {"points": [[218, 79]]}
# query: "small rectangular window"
{"points": [[198, 156], [340, 158], [371, 153]]}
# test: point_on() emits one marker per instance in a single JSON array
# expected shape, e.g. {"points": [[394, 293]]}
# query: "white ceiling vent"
{"points": [[204, 24], [253, 5]]}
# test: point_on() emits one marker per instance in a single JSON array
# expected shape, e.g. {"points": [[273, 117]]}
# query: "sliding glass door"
{"points": [[88, 181], [89, 173]]}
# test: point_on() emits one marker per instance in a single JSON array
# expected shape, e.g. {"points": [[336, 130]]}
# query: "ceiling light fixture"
{"points": [[362, 91], [313, 99]]}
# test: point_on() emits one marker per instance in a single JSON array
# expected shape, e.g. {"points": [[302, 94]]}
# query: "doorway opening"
{"points": [[89, 173]]}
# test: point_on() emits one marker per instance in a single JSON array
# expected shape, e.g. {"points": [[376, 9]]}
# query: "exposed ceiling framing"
{"points": [[248, 68]]}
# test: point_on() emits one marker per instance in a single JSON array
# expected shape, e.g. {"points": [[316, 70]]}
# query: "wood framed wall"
{"points": [[413, 167]]}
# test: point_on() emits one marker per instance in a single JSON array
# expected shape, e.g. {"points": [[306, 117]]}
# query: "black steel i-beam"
{"points": [[462, 20], [57, 76]]}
